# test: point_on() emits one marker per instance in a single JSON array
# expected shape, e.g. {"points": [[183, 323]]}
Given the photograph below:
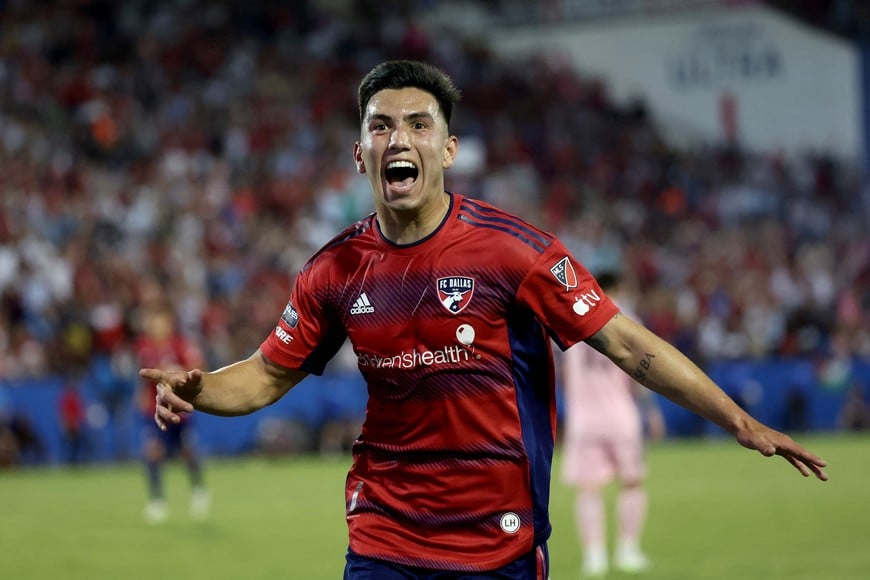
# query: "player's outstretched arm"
{"points": [[659, 366], [238, 389]]}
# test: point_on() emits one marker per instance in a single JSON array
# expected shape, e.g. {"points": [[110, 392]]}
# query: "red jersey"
{"points": [[72, 410], [452, 334]]}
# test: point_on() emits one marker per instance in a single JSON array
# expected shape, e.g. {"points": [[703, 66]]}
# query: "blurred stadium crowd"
{"points": [[202, 151]]}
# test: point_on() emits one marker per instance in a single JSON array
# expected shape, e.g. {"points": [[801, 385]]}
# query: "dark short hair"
{"points": [[400, 74]]}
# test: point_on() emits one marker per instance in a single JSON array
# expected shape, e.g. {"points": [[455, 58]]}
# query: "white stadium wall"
{"points": [[788, 87]]}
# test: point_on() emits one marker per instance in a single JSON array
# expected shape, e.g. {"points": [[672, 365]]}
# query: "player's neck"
{"points": [[408, 226]]}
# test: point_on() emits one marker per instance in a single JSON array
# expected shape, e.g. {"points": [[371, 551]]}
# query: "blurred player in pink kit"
{"points": [[603, 442]]}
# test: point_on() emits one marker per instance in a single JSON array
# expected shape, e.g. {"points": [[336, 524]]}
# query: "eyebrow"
{"points": [[409, 117]]}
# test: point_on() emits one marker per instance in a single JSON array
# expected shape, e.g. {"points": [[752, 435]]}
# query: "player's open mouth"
{"points": [[401, 174]]}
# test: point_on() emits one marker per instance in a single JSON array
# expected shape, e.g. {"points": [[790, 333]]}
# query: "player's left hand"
{"points": [[770, 442]]}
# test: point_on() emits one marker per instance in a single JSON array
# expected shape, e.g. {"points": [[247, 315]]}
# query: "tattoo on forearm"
{"points": [[643, 366]]}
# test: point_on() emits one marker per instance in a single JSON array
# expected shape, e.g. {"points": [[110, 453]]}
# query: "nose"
{"points": [[399, 138]]}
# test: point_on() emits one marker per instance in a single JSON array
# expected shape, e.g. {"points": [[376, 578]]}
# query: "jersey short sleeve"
{"points": [[565, 297], [307, 334]]}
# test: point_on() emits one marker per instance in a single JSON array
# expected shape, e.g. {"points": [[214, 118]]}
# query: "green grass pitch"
{"points": [[717, 512]]}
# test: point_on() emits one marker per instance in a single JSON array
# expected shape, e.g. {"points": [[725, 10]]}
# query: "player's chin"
{"points": [[401, 201]]}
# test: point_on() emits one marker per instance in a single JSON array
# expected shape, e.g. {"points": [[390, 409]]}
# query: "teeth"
{"points": [[401, 164]]}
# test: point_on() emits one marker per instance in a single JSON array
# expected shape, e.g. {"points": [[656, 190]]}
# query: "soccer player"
{"points": [[450, 305], [605, 414], [159, 345]]}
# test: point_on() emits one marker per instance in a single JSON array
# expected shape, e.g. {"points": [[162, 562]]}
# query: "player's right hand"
{"points": [[175, 391]]}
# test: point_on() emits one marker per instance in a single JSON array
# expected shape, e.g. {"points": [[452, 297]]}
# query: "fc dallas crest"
{"points": [[455, 292]]}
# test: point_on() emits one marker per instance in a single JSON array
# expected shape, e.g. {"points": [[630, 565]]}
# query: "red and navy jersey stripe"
{"points": [[485, 216]]}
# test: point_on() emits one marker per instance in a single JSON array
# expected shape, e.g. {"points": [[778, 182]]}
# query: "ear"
{"points": [[357, 158], [451, 149]]}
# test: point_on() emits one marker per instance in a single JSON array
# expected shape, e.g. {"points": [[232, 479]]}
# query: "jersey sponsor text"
{"points": [[283, 335], [411, 359]]}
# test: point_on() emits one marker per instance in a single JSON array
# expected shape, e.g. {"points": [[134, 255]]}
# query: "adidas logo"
{"points": [[362, 305]]}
